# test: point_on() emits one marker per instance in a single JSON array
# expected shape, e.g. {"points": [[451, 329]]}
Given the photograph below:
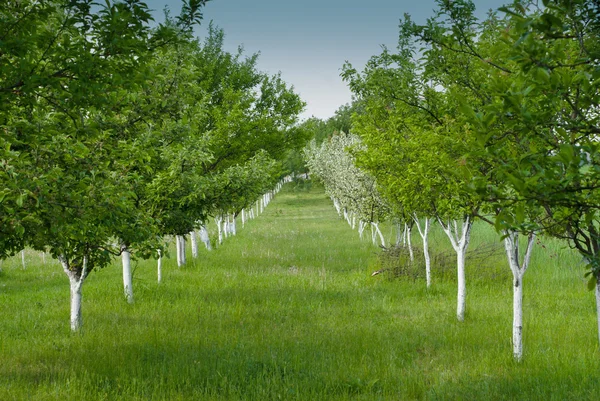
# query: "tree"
{"points": [[65, 74], [541, 122], [415, 144]]}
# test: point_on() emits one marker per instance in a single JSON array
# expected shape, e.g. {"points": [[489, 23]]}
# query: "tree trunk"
{"points": [[424, 232], [233, 227], [598, 305], [243, 218], [218, 220], [180, 246], [183, 255], [159, 268], [76, 279], [511, 244], [409, 242], [127, 277], [376, 232], [336, 204], [460, 241], [194, 242], [461, 303], [204, 237], [76, 319], [23, 258]]}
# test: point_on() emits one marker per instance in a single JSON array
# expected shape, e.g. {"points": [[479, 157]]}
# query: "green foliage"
{"points": [[115, 133]]}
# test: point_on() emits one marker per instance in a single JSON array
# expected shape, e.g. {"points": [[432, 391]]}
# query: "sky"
{"points": [[308, 41]]}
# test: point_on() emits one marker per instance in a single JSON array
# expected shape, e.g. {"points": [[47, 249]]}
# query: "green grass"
{"points": [[287, 310]]}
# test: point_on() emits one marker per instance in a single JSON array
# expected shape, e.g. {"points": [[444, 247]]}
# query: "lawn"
{"points": [[288, 310]]}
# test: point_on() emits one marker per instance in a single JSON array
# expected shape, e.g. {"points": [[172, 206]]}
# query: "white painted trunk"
{"points": [[204, 237], [159, 267], [398, 234], [180, 246], [461, 302], [262, 205], [353, 221], [347, 217], [336, 204], [75, 284], [361, 228], [183, 255], [377, 233], [218, 220], [518, 318], [424, 232], [178, 249], [127, 277], [44, 258], [459, 238], [23, 258], [233, 226], [518, 269], [76, 320], [194, 242], [409, 242], [598, 305]]}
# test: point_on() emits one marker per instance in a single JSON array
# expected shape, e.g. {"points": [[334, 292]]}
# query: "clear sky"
{"points": [[309, 40]]}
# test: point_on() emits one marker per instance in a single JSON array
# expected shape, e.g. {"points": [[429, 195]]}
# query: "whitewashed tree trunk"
{"points": [[127, 276], [424, 232], [377, 232], [76, 280], [336, 204], [178, 249], [399, 234], [347, 217], [409, 242], [225, 227], [23, 258], [218, 220], [361, 228], [598, 305], [204, 237], [180, 245], [262, 204], [159, 267], [43, 258], [183, 253], [518, 269], [233, 226], [194, 242], [459, 238], [353, 221]]}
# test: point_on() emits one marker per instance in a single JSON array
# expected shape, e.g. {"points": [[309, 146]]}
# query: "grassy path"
{"points": [[287, 310]]}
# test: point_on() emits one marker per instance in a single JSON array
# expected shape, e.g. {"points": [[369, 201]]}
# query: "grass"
{"points": [[287, 310]]}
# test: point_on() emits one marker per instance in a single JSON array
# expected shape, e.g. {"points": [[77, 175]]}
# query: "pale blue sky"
{"points": [[309, 40]]}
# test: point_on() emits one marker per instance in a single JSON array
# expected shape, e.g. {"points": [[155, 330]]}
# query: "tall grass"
{"points": [[287, 310]]}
